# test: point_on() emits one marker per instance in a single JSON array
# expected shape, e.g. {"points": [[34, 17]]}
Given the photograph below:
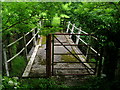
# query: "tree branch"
{"points": [[18, 22]]}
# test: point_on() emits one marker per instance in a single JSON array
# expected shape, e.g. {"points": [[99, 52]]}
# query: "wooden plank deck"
{"points": [[32, 58], [81, 57]]}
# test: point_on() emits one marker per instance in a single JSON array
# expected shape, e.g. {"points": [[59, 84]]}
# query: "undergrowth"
{"points": [[29, 83], [18, 66], [89, 83]]}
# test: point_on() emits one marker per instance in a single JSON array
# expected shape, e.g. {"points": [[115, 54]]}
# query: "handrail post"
{"points": [[77, 41], [72, 30], [87, 52], [34, 40], [40, 24], [25, 45], [88, 48], [38, 29], [68, 27], [48, 55], [100, 62], [5, 60]]}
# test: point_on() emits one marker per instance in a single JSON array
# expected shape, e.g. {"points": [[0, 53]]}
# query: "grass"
{"points": [[18, 65]]}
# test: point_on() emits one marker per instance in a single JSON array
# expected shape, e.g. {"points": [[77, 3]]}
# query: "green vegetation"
{"points": [[0, 80], [103, 20], [68, 58], [56, 21], [90, 83], [15, 83], [92, 60], [42, 83], [47, 30], [92, 64], [96, 83], [43, 40], [18, 66], [11, 83], [64, 15]]}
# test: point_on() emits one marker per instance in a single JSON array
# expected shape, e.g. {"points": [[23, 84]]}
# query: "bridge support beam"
{"points": [[48, 55]]}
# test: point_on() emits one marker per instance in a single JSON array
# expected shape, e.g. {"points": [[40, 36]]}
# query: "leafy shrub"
{"points": [[11, 83], [15, 83]]}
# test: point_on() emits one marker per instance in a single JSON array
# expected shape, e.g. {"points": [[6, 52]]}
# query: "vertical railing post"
{"points": [[100, 63], [5, 60], [96, 64], [48, 55], [34, 40], [52, 54], [68, 27], [87, 52], [38, 29], [40, 24], [25, 45], [78, 36], [72, 30], [88, 48]]}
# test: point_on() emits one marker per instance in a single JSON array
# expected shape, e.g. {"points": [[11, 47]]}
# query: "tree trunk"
{"points": [[118, 66], [110, 62]]}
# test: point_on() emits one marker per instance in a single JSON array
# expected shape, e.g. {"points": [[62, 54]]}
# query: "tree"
{"points": [[103, 20], [20, 17]]}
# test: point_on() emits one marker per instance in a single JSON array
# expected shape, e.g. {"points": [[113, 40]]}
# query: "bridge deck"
{"points": [[38, 66], [76, 49]]}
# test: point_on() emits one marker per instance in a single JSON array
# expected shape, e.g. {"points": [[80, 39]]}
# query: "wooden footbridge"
{"points": [[60, 44]]}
